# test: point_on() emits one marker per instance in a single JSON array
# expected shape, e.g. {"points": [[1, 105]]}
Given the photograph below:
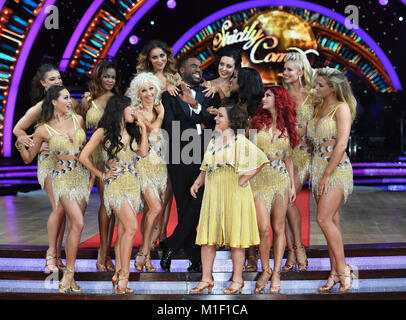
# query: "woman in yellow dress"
{"points": [[157, 57], [103, 85], [123, 143], [46, 76], [274, 187], [298, 80], [64, 131], [332, 175], [145, 93], [227, 216]]}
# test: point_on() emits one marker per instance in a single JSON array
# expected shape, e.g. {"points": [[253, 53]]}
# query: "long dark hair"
{"points": [[143, 59], [95, 85], [111, 123], [251, 89], [231, 53], [37, 89], [47, 108]]}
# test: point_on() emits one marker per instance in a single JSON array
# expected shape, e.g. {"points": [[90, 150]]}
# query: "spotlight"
{"points": [[400, 18], [133, 39], [383, 2], [171, 4]]}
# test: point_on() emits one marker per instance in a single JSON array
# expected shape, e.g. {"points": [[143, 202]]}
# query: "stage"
{"points": [[371, 221]]}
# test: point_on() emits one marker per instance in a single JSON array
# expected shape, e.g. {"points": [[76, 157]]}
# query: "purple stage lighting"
{"points": [[171, 4], [133, 39], [383, 2]]}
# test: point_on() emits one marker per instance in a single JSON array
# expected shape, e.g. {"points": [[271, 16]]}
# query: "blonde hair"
{"points": [[342, 88], [138, 81], [303, 65]]}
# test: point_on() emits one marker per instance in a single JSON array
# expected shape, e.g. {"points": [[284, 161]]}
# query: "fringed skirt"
{"points": [[227, 216], [153, 173], [302, 161], [46, 163]]}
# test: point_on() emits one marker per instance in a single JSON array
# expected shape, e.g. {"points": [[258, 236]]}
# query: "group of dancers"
{"points": [[266, 142]]}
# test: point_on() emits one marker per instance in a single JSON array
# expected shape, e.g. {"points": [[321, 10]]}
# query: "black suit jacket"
{"points": [[178, 111]]}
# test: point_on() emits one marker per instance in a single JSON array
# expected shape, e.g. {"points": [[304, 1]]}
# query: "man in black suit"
{"points": [[185, 120]]}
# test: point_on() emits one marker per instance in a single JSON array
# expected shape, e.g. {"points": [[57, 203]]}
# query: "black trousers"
{"points": [[184, 236]]}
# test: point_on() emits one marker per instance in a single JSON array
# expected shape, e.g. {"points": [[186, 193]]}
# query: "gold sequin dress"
{"points": [[152, 169], [126, 187], [93, 116], [228, 216], [273, 180], [302, 153], [46, 163], [69, 178], [323, 136]]}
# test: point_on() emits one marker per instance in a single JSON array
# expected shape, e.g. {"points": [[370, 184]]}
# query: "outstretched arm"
{"points": [[30, 117]]}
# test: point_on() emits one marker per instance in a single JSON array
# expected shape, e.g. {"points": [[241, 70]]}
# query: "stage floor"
{"points": [[370, 216]]}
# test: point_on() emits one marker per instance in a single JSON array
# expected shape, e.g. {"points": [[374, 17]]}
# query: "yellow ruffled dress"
{"points": [[322, 135], [72, 180], [126, 187], [228, 215], [46, 163], [302, 153], [273, 180]]}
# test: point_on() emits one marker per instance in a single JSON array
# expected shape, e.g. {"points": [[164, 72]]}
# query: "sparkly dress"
{"points": [[302, 153], [273, 180], [322, 135], [152, 169], [69, 178], [228, 216], [46, 163], [93, 116], [126, 187]]}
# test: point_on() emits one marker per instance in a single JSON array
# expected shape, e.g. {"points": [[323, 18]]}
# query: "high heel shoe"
{"points": [[125, 289], [59, 263], [345, 279], [263, 280], [252, 264], [208, 285], [331, 282], [235, 290], [51, 263], [110, 265], [290, 266], [148, 264], [275, 288], [139, 266], [302, 265], [114, 280], [73, 287], [101, 267]]}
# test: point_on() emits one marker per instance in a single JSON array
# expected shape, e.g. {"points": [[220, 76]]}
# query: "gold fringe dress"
{"points": [[302, 153], [322, 135], [46, 163], [71, 179], [126, 187], [93, 116], [273, 180], [152, 169], [228, 216]]}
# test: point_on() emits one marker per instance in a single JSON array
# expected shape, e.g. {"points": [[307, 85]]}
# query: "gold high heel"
{"points": [[252, 264], [110, 265], [275, 288], [139, 266], [289, 266], [126, 289], [234, 291], [263, 280], [101, 267], [209, 286], [59, 263], [73, 288], [345, 279], [148, 264], [304, 264], [331, 282], [51, 263]]}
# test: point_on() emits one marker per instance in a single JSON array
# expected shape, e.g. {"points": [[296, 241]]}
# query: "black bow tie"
{"points": [[196, 88]]}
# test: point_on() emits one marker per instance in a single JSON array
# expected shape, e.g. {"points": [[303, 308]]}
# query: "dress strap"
{"points": [[51, 131], [333, 111], [75, 121], [95, 105]]}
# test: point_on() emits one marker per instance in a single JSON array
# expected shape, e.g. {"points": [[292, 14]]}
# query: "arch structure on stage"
{"points": [[264, 31]]}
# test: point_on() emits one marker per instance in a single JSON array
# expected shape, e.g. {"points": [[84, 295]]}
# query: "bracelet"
{"points": [[19, 146], [103, 177]]}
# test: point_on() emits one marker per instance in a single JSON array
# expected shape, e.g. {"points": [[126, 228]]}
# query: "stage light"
{"points": [[152, 22], [133, 39], [400, 18], [171, 4], [383, 2]]}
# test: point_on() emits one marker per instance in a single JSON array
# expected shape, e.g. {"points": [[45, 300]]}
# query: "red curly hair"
{"points": [[286, 115]]}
